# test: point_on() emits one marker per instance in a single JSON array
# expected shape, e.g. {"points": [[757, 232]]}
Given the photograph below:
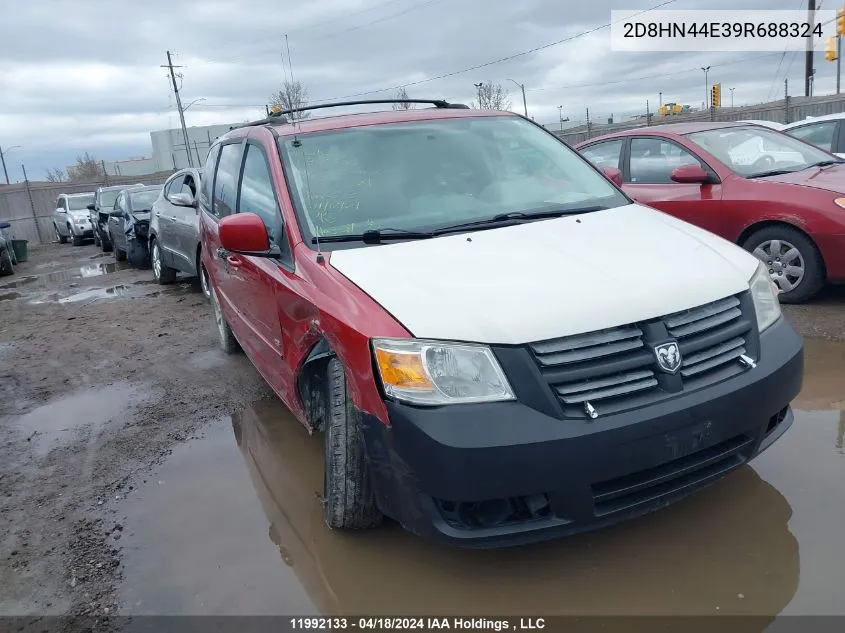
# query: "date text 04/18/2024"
{"points": [[415, 624]]}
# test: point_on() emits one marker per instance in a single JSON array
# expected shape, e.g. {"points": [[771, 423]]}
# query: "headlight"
{"points": [[435, 373], [764, 292], [839, 202]]}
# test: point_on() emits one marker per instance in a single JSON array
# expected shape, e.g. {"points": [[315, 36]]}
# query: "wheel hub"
{"points": [[784, 262]]}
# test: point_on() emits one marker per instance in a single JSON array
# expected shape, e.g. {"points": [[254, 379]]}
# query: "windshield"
{"points": [[143, 200], [752, 151], [424, 175], [79, 203], [107, 198]]}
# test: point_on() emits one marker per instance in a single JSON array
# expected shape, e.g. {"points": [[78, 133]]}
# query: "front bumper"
{"points": [[488, 475]]}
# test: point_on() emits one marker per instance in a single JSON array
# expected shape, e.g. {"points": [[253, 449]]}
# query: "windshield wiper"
{"points": [[517, 217], [375, 236], [826, 163], [774, 172]]}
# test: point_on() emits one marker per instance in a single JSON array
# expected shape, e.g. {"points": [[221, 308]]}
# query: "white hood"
{"points": [[79, 215], [549, 278]]}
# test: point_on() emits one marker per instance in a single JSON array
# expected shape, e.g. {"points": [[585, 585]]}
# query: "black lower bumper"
{"points": [[488, 475]]}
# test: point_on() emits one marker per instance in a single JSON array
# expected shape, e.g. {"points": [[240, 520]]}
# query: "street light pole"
{"points": [[732, 96], [560, 116], [478, 91], [524, 102], [3, 160], [706, 87]]}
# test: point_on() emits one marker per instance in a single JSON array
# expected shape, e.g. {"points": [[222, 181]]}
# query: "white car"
{"points": [[826, 132], [71, 219]]}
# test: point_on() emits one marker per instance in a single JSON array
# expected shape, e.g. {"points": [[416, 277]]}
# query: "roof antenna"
{"points": [[298, 144]]}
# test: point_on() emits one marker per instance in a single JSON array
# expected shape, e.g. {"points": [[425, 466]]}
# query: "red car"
{"points": [[777, 197], [446, 294]]}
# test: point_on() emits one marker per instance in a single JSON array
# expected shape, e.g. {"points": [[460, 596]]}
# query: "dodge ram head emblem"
{"points": [[668, 357]]}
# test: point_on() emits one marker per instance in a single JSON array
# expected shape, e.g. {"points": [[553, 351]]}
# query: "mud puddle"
{"points": [[71, 274], [56, 422], [232, 524], [133, 290]]}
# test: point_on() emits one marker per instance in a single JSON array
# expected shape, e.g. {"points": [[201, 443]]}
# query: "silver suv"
{"points": [[71, 219], [174, 230]]}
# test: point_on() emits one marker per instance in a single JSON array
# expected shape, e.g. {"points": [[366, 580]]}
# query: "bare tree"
{"points": [[87, 169], [492, 97], [292, 95], [56, 175], [402, 94]]}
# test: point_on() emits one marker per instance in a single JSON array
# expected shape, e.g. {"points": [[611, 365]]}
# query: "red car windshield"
{"points": [[423, 175], [755, 151]]}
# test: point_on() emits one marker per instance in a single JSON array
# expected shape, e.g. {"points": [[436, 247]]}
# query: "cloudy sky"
{"points": [[86, 75]]}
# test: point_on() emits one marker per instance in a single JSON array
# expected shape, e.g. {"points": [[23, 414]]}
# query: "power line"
{"points": [[657, 76], [376, 21], [501, 59]]}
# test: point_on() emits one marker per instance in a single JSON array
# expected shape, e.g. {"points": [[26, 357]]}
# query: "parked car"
{"points": [[777, 197], [826, 132], [495, 354], [101, 209], [8, 259], [129, 224], [71, 219], [174, 230], [774, 125]]}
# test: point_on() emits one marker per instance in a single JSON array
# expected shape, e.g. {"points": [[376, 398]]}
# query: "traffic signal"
{"points": [[840, 21], [830, 49], [716, 96]]}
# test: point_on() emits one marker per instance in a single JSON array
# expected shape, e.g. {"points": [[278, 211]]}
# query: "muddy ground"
{"points": [[144, 472]]}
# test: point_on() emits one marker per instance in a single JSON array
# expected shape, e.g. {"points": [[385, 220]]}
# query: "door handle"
{"points": [[233, 260], [158, 214]]}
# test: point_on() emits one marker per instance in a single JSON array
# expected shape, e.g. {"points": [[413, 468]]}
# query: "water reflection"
{"points": [[725, 550]]}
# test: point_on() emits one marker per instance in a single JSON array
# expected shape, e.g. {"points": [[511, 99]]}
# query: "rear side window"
{"points": [[604, 154], [210, 162], [226, 180]]}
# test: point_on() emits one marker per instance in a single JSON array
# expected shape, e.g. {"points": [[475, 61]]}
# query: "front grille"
{"points": [[612, 370], [672, 478]]}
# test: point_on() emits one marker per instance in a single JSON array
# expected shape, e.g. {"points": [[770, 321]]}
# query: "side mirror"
{"points": [[613, 174], [91, 207], [690, 174], [60, 210], [245, 234], [182, 199]]}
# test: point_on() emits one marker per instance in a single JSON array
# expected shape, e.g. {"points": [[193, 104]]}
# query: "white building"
{"points": [[169, 145]]}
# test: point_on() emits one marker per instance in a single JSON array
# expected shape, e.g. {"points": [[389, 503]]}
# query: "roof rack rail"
{"points": [[280, 115]]}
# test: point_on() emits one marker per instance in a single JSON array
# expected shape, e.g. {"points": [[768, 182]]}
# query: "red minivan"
{"points": [[446, 294]]}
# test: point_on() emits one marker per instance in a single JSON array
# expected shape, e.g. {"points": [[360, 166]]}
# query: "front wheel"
{"points": [[77, 239], [62, 239], [163, 274], [348, 497], [794, 263], [119, 255], [204, 283]]}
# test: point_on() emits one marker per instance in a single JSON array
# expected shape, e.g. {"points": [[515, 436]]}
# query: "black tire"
{"points": [[348, 497], [96, 238], [62, 238], [105, 244], [163, 274], [205, 285], [6, 266], [814, 272], [228, 342], [119, 255], [77, 239]]}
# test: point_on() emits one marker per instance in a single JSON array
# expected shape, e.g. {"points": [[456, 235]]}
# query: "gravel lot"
{"points": [[102, 374]]}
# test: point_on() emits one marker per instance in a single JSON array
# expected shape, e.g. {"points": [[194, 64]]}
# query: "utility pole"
{"points": [[32, 205], [732, 96], [560, 116], [524, 102], [660, 97], [588, 122], [478, 91], [786, 100], [647, 114], [3, 160], [706, 86], [838, 61], [808, 65], [170, 66]]}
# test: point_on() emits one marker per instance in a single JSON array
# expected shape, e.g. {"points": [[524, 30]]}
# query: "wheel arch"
{"points": [[310, 380], [764, 224]]}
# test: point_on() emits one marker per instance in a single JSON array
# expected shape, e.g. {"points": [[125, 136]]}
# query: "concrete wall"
{"points": [[22, 205], [781, 111]]}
